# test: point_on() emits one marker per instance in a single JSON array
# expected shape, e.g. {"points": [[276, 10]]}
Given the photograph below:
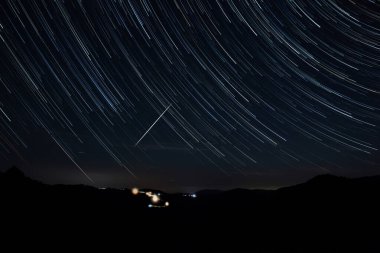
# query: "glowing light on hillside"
{"points": [[135, 191], [155, 198]]}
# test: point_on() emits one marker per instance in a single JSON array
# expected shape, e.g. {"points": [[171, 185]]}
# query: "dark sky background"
{"points": [[186, 95]]}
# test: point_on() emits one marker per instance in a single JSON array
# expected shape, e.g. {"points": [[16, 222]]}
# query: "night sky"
{"points": [[185, 95]]}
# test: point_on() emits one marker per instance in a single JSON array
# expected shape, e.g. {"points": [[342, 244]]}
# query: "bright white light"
{"points": [[155, 198], [135, 191], [166, 203], [193, 195], [150, 205]]}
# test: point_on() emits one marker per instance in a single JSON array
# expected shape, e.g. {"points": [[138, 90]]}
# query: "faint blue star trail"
{"points": [[177, 94]]}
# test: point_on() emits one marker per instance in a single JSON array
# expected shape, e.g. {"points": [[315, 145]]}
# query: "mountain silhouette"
{"points": [[325, 214], [14, 172]]}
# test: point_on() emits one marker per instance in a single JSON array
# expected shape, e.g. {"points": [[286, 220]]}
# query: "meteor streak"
{"points": [[147, 131]]}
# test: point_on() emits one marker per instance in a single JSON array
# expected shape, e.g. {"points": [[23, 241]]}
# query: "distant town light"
{"points": [[135, 191], [155, 198], [166, 203]]}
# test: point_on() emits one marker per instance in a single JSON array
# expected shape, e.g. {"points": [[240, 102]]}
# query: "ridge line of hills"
{"points": [[15, 176]]}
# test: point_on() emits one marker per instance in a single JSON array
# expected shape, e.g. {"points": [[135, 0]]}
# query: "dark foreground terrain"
{"points": [[325, 214]]}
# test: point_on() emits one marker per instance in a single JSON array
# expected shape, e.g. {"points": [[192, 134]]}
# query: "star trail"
{"points": [[191, 93]]}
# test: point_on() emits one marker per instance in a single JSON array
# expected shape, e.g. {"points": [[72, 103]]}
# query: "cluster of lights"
{"points": [[158, 206], [191, 195], [155, 198]]}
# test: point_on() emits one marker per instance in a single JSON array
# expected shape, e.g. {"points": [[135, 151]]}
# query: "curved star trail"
{"points": [[237, 88]]}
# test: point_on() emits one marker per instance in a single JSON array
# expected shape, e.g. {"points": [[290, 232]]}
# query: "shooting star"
{"points": [[147, 131]]}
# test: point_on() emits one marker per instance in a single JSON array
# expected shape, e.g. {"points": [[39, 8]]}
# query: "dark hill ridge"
{"points": [[324, 214], [320, 188], [14, 177]]}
